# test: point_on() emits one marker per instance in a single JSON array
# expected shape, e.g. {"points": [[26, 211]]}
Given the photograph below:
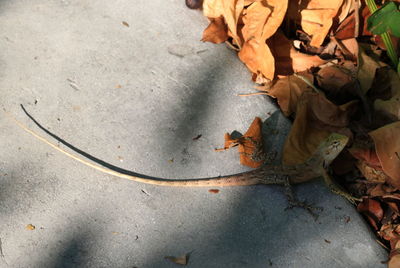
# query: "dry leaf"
{"points": [[288, 89], [387, 146], [367, 68], [182, 260], [394, 257], [391, 107], [316, 118], [258, 58], [287, 59], [30, 227], [372, 210], [254, 20], [213, 8], [333, 78], [125, 23], [315, 16], [216, 32], [213, 191], [251, 143]]}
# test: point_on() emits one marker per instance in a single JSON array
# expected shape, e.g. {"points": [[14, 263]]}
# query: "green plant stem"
{"points": [[385, 36]]}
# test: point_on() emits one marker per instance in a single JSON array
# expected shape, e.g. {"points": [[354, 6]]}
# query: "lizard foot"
{"points": [[310, 209]]}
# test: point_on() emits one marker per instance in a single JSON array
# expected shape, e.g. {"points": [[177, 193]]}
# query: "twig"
{"points": [[356, 18], [305, 80], [252, 94]]}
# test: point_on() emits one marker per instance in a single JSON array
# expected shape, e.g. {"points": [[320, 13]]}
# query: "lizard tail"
{"points": [[233, 180]]}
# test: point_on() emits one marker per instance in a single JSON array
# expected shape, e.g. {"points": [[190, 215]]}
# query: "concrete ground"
{"points": [[130, 82]]}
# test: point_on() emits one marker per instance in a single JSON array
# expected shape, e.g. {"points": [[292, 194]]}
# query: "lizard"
{"points": [[315, 166]]}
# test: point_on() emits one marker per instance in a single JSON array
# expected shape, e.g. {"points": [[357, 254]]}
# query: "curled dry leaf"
{"points": [[261, 20], [216, 32], [288, 89], [258, 58], [372, 210], [391, 106], [367, 68], [249, 144], [333, 78], [316, 118], [252, 143], [387, 146], [369, 164], [287, 59], [315, 16]]}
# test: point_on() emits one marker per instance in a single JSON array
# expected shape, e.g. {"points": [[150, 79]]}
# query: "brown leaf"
{"points": [[254, 19], [394, 257], [182, 260], [251, 140], [316, 118], [387, 146], [372, 210], [288, 59], [315, 17], [380, 190], [288, 89], [257, 56], [367, 67], [216, 32], [391, 107], [333, 78], [125, 23]]}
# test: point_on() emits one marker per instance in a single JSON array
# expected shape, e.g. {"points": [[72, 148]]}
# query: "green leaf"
{"points": [[386, 18]]}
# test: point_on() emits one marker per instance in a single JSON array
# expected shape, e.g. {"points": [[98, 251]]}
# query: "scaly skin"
{"points": [[327, 151]]}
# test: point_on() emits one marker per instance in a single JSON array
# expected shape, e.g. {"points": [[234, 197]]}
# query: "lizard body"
{"points": [[314, 167]]}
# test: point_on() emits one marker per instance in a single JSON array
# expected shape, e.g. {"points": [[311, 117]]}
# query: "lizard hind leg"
{"points": [[293, 202]]}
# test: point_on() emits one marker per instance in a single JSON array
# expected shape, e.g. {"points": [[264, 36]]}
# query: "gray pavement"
{"points": [[136, 97]]}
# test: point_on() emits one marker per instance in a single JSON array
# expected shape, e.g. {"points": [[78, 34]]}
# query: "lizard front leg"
{"points": [[337, 189], [293, 202]]}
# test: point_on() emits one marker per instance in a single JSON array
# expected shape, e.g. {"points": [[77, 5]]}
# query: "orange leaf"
{"points": [[216, 32], [316, 18], [387, 146], [251, 139], [258, 58], [254, 19]]}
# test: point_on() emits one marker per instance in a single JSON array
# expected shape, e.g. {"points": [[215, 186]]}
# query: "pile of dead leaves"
{"points": [[330, 74]]}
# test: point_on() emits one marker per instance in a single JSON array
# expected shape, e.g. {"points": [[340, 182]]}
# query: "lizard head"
{"points": [[331, 147]]}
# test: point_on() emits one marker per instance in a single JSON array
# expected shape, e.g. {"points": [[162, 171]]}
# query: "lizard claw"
{"points": [[305, 206]]}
